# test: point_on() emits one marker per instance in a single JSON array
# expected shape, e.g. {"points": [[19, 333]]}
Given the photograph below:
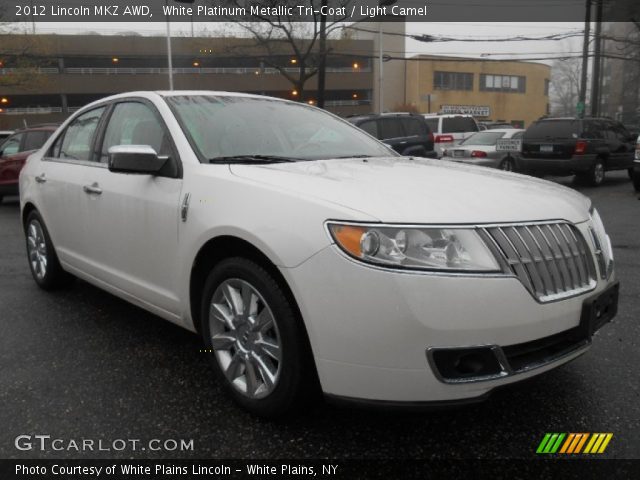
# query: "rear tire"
{"points": [[636, 181], [595, 176], [43, 261], [259, 349]]}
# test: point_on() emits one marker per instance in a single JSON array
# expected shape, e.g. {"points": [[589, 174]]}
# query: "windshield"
{"points": [[483, 138], [224, 127]]}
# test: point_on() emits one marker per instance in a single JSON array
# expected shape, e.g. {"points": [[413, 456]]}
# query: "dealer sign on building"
{"points": [[475, 110]]}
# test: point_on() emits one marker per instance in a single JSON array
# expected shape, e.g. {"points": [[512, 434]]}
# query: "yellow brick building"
{"points": [[492, 90]]}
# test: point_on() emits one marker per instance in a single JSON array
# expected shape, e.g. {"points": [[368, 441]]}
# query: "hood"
{"points": [[405, 190]]}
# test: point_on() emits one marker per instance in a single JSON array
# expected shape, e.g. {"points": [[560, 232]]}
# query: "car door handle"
{"points": [[41, 178], [93, 189]]}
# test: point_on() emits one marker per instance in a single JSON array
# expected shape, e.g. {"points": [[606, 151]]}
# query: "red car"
{"points": [[14, 152]]}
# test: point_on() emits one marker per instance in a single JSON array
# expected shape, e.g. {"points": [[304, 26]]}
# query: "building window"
{"points": [[452, 81], [503, 83], [546, 86]]}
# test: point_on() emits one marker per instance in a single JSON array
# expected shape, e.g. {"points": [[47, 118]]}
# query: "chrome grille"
{"points": [[552, 260]]}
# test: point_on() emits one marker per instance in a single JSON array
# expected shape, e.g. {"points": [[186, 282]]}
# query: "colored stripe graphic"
{"points": [[573, 443]]}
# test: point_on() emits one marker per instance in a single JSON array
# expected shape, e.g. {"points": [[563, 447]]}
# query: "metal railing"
{"points": [[197, 70], [43, 70], [31, 110], [346, 103]]}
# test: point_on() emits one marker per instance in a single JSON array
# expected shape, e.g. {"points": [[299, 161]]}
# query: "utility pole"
{"points": [[322, 64], [597, 61], [580, 108]]}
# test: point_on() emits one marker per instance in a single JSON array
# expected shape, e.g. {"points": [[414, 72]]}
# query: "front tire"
{"points": [[257, 341], [507, 165], [43, 261]]}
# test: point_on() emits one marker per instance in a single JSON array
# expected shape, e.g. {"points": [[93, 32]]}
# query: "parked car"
{"points": [[306, 253], [586, 147], [636, 167], [494, 125], [14, 152], [407, 134], [480, 149], [450, 129], [5, 134]]}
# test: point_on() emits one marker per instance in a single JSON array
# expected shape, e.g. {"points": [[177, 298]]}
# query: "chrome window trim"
{"points": [[71, 161]]}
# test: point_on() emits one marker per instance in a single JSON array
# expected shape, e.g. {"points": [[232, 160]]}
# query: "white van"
{"points": [[449, 129]]}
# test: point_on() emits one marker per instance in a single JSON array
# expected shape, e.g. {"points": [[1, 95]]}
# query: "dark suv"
{"points": [[14, 151], [407, 134], [585, 147]]}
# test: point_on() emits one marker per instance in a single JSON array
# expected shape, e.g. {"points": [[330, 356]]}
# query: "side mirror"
{"points": [[141, 159]]}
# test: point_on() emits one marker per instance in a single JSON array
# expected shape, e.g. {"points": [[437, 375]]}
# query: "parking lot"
{"points": [[81, 363]]}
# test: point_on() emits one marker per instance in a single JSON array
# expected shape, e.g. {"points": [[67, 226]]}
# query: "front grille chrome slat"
{"points": [[552, 260]]}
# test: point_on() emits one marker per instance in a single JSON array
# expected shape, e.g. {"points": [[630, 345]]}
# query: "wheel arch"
{"points": [[26, 210], [212, 252]]}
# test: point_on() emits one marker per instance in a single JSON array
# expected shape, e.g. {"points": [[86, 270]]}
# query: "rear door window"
{"points": [[433, 124], [413, 127], [12, 145], [553, 129], [35, 139], [391, 128], [371, 127], [458, 125]]}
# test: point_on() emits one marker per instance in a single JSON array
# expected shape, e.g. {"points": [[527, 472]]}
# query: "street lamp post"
{"points": [[169, 56], [382, 3]]}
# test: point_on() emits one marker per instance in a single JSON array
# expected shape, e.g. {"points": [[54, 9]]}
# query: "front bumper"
{"points": [[557, 166], [371, 329]]}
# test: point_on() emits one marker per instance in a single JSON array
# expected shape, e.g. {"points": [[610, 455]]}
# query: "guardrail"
{"points": [[47, 70], [197, 70], [31, 110]]}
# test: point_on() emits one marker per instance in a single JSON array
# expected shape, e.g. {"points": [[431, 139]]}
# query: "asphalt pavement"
{"points": [[81, 363]]}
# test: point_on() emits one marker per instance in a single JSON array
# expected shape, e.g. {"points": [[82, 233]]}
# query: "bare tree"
{"points": [[19, 54], [565, 86], [274, 37]]}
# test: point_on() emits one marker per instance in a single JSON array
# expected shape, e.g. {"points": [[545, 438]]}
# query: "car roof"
{"points": [[154, 94], [49, 127], [447, 115], [369, 116], [503, 130]]}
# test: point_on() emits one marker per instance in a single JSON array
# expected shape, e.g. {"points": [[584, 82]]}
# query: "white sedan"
{"points": [[309, 256]]}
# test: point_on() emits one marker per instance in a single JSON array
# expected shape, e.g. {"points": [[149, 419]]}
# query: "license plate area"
{"points": [[458, 153], [546, 148], [599, 310]]}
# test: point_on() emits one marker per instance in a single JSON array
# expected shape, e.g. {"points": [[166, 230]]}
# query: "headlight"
{"points": [[446, 249]]}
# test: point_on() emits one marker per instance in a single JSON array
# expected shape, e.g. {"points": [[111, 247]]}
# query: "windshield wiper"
{"points": [[254, 159], [355, 156]]}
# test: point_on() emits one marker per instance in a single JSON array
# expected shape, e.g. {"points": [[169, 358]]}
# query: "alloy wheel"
{"points": [[245, 338], [37, 249], [598, 173]]}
